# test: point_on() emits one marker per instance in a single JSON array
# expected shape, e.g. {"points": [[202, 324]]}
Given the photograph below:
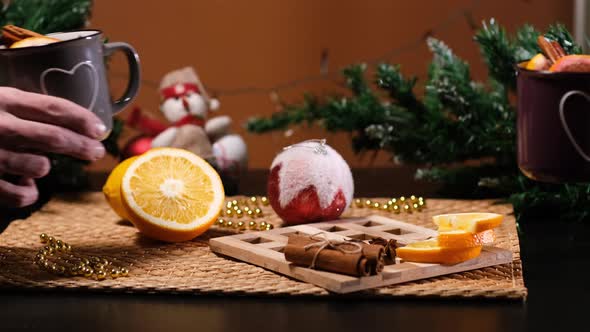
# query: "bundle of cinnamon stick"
{"points": [[551, 48], [355, 258]]}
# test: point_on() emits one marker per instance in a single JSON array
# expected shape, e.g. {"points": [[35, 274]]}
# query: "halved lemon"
{"points": [[34, 41], [112, 188], [172, 194], [463, 239], [430, 251], [475, 222]]}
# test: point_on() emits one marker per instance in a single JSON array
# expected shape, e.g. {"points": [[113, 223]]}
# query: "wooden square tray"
{"points": [[265, 249]]}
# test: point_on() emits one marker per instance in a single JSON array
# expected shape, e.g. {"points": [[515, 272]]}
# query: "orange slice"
{"points": [[538, 62], [463, 239], [112, 188], [475, 222], [34, 41], [572, 63], [430, 251], [171, 194]]}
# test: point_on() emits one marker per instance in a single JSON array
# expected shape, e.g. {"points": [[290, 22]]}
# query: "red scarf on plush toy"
{"points": [[190, 119]]}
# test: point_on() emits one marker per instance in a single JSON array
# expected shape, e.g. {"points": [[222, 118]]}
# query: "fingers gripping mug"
{"points": [[554, 126], [73, 69]]}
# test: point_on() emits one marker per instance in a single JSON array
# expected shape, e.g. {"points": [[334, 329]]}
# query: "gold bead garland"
{"points": [[57, 257], [239, 210], [394, 205], [232, 215]]}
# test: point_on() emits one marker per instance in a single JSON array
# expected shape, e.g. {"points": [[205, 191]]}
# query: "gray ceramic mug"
{"points": [[73, 69]]}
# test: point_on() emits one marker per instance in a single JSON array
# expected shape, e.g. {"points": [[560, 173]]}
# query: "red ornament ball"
{"points": [[137, 146], [309, 182]]}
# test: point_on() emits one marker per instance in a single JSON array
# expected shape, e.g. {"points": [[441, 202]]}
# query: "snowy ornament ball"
{"points": [[309, 182]]}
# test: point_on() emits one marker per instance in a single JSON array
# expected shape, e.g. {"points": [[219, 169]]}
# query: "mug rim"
{"points": [[95, 33]]}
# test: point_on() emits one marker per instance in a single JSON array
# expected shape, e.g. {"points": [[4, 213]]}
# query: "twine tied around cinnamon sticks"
{"points": [[332, 244], [351, 257]]}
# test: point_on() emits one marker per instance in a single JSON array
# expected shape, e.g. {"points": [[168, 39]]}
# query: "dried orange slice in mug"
{"points": [[575, 63], [34, 41], [171, 194]]}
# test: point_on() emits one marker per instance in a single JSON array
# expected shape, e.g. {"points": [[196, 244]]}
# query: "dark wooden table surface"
{"points": [[556, 268]]}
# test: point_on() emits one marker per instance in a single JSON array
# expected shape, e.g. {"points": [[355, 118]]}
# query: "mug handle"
{"points": [[564, 124], [134, 73]]}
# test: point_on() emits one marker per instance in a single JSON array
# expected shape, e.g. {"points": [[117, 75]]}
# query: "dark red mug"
{"points": [[553, 125]]}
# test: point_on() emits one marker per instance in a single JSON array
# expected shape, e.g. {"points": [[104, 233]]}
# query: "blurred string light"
{"points": [[464, 13]]}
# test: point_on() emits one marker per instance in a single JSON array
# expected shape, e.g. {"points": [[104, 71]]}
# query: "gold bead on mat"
{"points": [[124, 272], [65, 263], [258, 212]]}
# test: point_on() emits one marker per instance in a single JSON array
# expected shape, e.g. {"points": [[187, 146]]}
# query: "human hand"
{"points": [[32, 125]]}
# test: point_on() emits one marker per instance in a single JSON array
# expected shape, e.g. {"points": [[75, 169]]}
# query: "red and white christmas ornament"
{"points": [[309, 182]]}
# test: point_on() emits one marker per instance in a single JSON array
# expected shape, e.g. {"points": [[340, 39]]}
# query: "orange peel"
{"points": [[430, 251], [473, 222], [463, 239]]}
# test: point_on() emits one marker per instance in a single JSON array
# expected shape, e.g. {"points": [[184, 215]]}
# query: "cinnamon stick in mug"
{"points": [[11, 34], [328, 259]]}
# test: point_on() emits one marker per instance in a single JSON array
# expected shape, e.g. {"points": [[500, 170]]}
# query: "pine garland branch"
{"points": [[559, 33]]}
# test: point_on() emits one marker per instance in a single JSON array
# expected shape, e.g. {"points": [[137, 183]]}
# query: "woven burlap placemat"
{"points": [[88, 224]]}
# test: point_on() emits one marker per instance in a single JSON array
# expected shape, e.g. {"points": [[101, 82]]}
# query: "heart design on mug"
{"points": [[566, 127], [71, 73]]}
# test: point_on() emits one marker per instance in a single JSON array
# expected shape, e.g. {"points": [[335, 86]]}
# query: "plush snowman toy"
{"points": [[186, 104]]}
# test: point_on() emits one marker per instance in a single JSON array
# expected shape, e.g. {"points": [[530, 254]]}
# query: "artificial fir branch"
{"points": [[45, 16], [456, 120], [559, 33]]}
